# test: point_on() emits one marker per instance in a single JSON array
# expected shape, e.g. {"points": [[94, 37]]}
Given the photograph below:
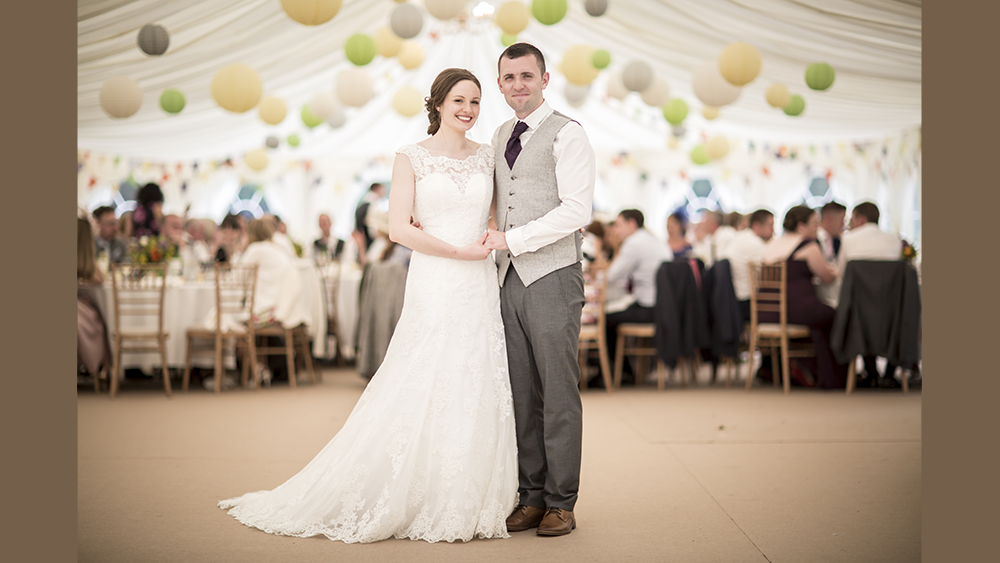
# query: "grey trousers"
{"points": [[542, 325]]}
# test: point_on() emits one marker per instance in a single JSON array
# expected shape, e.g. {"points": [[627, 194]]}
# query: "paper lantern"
{"points": [[710, 113], [675, 111], [411, 55], [337, 118], [512, 17], [272, 142], [637, 76], [120, 96], [576, 95], [272, 110], [699, 156], [311, 12], [354, 87], [673, 143], [444, 9], [796, 105], [406, 21], [711, 88], [237, 88], [717, 147], [293, 140], [576, 65], [616, 89], [153, 39], [172, 100], [596, 8], [360, 49], [548, 12], [678, 131], [657, 94], [507, 39], [819, 76], [256, 159], [309, 118], [778, 95], [408, 101], [387, 43], [739, 63], [322, 104], [600, 59]]}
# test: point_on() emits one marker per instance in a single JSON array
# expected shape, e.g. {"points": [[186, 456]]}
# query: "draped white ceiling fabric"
{"points": [[874, 46]]}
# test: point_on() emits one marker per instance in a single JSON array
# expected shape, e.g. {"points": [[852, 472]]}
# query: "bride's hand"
{"points": [[475, 250]]}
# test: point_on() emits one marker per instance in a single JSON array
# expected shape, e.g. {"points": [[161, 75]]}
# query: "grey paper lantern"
{"points": [[678, 130], [406, 21], [153, 39], [637, 76], [271, 142], [596, 7]]}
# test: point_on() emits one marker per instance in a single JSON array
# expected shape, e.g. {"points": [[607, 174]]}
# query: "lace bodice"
{"points": [[451, 196]]}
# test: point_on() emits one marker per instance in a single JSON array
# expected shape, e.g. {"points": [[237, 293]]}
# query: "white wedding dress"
{"points": [[429, 451]]}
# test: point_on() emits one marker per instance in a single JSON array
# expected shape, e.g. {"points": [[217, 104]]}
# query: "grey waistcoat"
{"points": [[528, 192]]}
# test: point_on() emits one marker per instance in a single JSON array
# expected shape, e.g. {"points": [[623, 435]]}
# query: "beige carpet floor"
{"points": [[702, 474]]}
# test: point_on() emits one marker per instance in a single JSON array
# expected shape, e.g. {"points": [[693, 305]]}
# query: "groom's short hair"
{"points": [[518, 50]]}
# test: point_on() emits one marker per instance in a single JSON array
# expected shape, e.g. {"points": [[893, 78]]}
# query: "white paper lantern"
{"points": [[322, 104], [576, 95], [408, 101], [337, 117], [711, 88], [637, 76], [444, 9], [616, 89], [406, 21], [354, 87], [120, 96], [657, 94], [411, 55]]}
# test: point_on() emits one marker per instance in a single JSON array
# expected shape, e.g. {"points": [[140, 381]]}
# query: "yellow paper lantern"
{"points": [[408, 101], [256, 159], [444, 9], [616, 89], [387, 42], [577, 65], [120, 96], [778, 96], [512, 17], [739, 63], [710, 113], [711, 88], [237, 88], [354, 87], [657, 94], [411, 55], [717, 147], [272, 110], [311, 12]]}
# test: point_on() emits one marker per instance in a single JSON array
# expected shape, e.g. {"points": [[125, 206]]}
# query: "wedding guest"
{"points": [[327, 245], [278, 298], [125, 227], [196, 231], [748, 246], [364, 238], [92, 348], [593, 247], [677, 224], [148, 211], [714, 236], [172, 228], [737, 221], [831, 227], [107, 241], [279, 234], [798, 247], [230, 233]]}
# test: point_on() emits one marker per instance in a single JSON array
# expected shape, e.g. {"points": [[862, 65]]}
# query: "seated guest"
{"points": [[798, 247], [125, 228], [197, 236], [148, 211], [279, 234], [866, 242], [326, 245], [714, 236], [831, 227], [230, 234], [107, 241], [738, 221], [593, 248], [748, 246], [279, 289], [91, 333], [677, 224], [635, 264], [172, 227]]}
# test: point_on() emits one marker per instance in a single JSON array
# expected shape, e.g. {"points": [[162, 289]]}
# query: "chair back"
{"points": [[138, 291], [330, 274], [768, 291], [595, 289], [235, 290]]}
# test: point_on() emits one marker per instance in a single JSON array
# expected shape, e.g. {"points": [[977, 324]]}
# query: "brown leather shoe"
{"points": [[524, 518], [557, 522]]}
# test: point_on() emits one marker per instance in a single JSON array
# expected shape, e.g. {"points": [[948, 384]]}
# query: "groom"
{"points": [[544, 183]]}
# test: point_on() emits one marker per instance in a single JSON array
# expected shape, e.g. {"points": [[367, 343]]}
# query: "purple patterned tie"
{"points": [[514, 143]]}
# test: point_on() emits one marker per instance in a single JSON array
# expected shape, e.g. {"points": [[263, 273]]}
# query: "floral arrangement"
{"points": [[909, 253], [152, 250]]}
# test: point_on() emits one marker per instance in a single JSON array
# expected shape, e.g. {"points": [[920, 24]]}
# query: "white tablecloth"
{"points": [[346, 307]]}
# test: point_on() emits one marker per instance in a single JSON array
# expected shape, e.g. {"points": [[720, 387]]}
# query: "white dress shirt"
{"points": [[638, 258], [746, 247], [576, 173], [278, 283], [713, 246], [860, 243]]}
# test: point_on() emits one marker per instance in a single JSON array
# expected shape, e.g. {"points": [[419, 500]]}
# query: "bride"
{"points": [[429, 452]]}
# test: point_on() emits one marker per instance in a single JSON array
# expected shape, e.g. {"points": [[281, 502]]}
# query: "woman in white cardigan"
{"points": [[279, 291]]}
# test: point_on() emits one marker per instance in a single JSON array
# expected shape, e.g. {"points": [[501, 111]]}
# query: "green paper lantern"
{"points": [[600, 59], [820, 76], [293, 140], [360, 49], [172, 101], [548, 12], [675, 111], [699, 155], [309, 118], [796, 105], [507, 39]]}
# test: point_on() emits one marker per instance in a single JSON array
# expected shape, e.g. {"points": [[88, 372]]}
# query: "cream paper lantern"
{"points": [[337, 117], [778, 96], [354, 87], [577, 65], [387, 42], [717, 147], [311, 12], [739, 63], [256, 159], [411, 55], [673, 142], [637, 76], [444, 9], [710, 113], [616, 89], [657, 94], [406, 21], [120, 96], [576, 95], [322, 104], [408, 101], [272, 110], [711, 88], [237, 88], [512, 17]]}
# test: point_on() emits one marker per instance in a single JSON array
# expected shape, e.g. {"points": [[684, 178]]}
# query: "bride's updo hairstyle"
{"points": [[443, 84]]}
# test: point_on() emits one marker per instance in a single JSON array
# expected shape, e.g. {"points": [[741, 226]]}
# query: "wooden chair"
{"points": [[330, 274], [139, 291], [769, 294], [592, 335], [296, 336], [642, 333], [235, 288]]}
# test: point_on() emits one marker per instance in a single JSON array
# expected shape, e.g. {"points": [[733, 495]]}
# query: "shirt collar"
{"points": [[535, 118]]}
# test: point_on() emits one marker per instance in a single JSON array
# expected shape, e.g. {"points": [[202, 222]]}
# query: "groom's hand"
{"points": [[495, 240]]}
